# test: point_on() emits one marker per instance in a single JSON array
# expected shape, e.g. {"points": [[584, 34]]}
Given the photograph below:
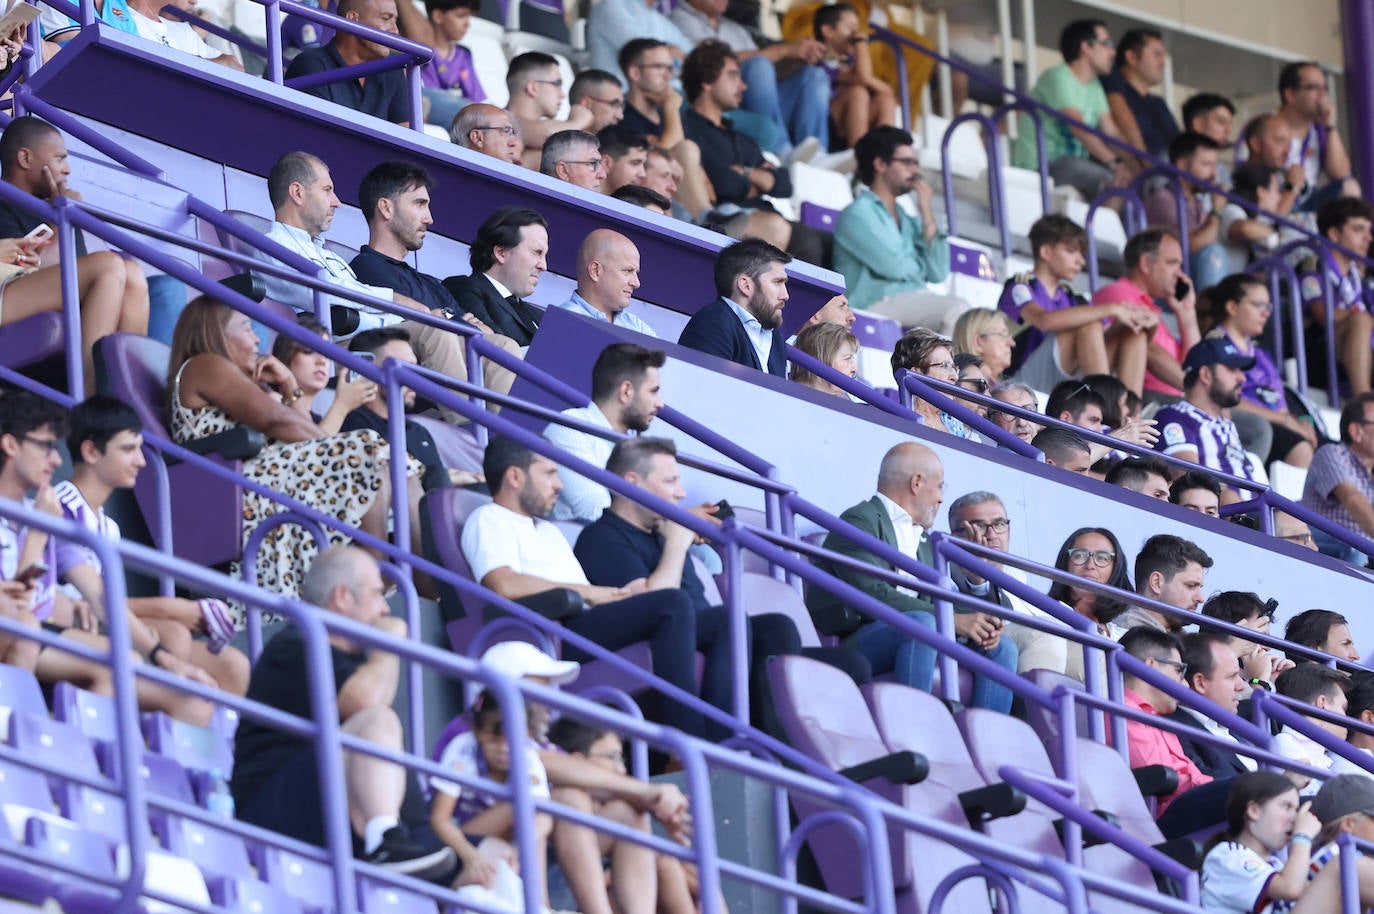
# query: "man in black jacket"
{"points": [[1213, 672], [507, 258], [744, 323]]}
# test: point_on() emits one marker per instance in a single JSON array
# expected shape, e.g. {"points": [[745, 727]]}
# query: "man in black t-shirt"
{"points": [[276, 777], [382, 95]]}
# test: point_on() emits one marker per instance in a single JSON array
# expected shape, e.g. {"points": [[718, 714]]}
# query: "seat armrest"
{"points": [[557, 604], [1156, 780], [905, 767], [1089, 838], [237, 443], [249, 285], [995, 801], [1185, 850]]}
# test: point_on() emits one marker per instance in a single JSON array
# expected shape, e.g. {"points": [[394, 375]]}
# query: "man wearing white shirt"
{"points": [[514, 551], [1323, 688], [911, 484], [303, 199], [607, 276], [175, 33], [1360, 708], [625, 398], [1214, 673]]}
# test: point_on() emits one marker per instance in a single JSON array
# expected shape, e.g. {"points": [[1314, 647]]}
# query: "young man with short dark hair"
{"points": [[1345, 221]]}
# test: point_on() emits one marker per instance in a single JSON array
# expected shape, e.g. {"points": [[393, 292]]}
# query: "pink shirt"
{"points": [[1152, 746], [1125, 291]]}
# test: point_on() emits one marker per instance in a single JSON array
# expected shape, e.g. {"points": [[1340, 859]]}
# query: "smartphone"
{"points": [[40, 233], [366, 357], [32, 573], [1182, 288], [723, 510]]}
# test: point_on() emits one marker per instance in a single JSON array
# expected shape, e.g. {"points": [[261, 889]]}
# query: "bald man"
{"points": [[489, 130], [607, 276], [911, 485], [382, 94]]}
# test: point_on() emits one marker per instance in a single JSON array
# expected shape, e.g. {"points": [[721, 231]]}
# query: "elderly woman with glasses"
{"points": [[1093, 554], [926, 352]]}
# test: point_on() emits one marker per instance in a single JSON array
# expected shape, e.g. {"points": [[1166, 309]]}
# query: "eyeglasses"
{"points": [[905, 160], [48, 445], [617, 758], [613, 102], [996, 525], [979, 384], [1104, 42], [938, 366], [1262, 305], [1101, 557], [549, 82], [590, 163], [1179, 666], [1302, 539], [503, 129]]}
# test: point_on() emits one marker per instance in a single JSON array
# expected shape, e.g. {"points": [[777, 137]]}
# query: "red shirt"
{"points": [[1123, 291], [1153, 746]]}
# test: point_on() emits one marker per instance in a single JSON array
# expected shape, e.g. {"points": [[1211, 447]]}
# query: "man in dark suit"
{"points": [[911, 483], [1213, 671], [507, 257], [743, 324]]}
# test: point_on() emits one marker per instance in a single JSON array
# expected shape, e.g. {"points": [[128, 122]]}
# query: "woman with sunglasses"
{"points": [[1240, 308], [1094, 554], [971, 378]]}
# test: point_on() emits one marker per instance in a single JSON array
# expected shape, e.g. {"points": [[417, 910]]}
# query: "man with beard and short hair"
{"points": [[744, 324], [625, 398], [1169, 570], [514, 551], [1197, 429]]}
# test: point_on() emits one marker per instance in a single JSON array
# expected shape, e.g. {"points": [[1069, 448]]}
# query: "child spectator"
{"points": [[1242, 871], [449, 81]]}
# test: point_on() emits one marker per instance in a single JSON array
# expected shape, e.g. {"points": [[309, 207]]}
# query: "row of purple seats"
{"points": [[960, 782]]}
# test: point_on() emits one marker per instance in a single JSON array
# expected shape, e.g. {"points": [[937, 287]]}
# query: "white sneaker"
{"points": [[804, 151]]}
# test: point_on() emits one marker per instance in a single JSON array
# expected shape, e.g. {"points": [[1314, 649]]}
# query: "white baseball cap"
{"points": [[518, 659]]}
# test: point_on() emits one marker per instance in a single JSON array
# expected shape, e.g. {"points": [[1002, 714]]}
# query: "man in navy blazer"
{"points": [[507, 258], [1213, 672], [744, 323]]}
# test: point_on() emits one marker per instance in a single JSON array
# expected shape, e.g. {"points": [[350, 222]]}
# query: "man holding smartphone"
{"points": [[1154, 272]]}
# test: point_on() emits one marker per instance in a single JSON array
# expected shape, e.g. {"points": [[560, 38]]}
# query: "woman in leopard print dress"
{"points": [[219, 381]]}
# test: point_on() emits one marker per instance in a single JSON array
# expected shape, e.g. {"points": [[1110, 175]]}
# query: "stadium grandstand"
{"points": [[686, 456]]}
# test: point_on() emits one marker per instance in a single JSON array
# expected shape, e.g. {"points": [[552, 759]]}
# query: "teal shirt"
{"points": [[879, 257], [1058, 88]]}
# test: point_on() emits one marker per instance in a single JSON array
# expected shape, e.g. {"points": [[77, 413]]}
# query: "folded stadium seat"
{"points": [[34, 340], [996, 741], [380, 898], [133, 369], [215, 852], [250, 896], [211, 266], [1107, 228], [174, 877], [1021, 188], [102, 811], [488, 58], [24, 788], [973, 274], [92, 714], [62, 747], [69, 846], [764, 593], [196, 748], [1287, 480], [817, 216], [877, 338], [458, 448], [19, 691], [307, 881], [820, 187], [162, 777], [1045, 721], [825, 717]]}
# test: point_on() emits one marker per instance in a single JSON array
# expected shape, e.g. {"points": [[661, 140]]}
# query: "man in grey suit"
{"points": [[911, 483]]}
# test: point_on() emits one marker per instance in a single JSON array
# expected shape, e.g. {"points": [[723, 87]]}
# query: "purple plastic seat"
{"points": [[824, 716], [20, 786], [24, 881], [307, 881], [31, 340], [380, 898], [764, 594], [19, 691], [62, 747], [215, 851], [250, 896], [92, 714], [995, 741], [196, 748], [817, 216], [458, 449], [133, 368], [82, 851], [162, 776], [1045, 721], [876, 332]]}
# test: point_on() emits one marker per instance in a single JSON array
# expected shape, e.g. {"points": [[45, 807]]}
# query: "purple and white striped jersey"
{"points": [[1184, 427]]}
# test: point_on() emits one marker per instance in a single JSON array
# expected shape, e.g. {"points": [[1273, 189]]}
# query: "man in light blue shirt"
{"points": [[743, 324], [613, 23], [888, 257], [607, 276]]}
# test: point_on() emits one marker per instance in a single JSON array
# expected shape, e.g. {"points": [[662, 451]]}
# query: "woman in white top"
{"points": [[1241, 873]]}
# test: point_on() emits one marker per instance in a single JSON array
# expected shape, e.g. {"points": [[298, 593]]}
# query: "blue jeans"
{"points": [[1209, 265], [800, 104], [913, 663], [770, 135], [166, 301], [444, 105]]}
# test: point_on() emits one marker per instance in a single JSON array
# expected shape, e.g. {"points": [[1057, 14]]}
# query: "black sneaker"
{"points": [[400, 854]]}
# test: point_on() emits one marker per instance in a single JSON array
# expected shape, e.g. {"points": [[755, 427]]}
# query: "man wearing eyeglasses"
{"points": [[889, 257], [489, 130], [1076, 157], [535, 83], [1205, 800], [574, 156], [599, 92], [981, 518]]}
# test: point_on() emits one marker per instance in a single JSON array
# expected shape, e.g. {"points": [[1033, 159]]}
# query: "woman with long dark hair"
{"points": [[1092, 553]]}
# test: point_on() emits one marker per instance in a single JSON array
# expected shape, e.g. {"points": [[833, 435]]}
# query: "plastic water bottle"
{"points": [[219, 801]]}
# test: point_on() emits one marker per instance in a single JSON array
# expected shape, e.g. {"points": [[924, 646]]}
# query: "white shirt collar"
{"points": [[900, 519], [500, 289]]}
